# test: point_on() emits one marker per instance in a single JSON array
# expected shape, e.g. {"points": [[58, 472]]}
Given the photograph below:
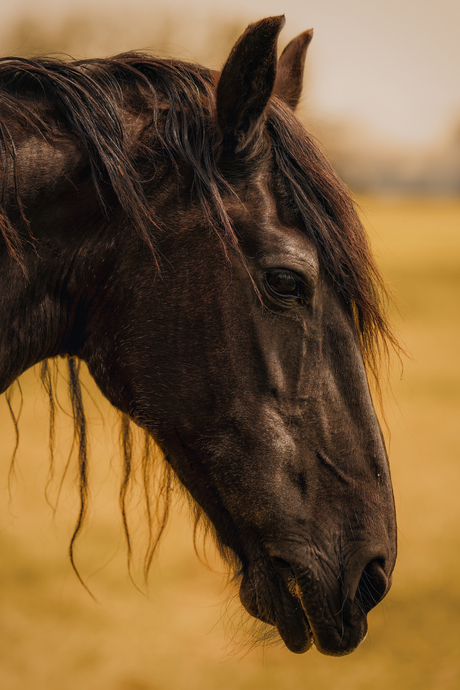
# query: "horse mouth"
{"points": [[286, 605], [298, 638]]}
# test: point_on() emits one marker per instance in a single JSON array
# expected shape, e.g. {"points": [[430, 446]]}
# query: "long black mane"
{"points": [[134, 117]]}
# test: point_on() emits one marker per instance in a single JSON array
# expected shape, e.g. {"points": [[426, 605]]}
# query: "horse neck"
{"points": [[41, 291]]}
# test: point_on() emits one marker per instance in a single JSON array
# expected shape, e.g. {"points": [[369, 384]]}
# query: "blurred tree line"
{"points": [[368, 164], [94, 35]]}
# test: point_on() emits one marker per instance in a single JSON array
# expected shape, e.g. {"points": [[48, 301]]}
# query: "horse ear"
{"points": [[247, 82], [289, 77]]}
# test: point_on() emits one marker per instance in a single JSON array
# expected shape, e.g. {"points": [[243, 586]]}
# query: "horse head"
{"points": [[238, 338]]}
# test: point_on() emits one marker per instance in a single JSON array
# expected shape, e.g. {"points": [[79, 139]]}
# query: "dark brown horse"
{"points": [[179, 231]]}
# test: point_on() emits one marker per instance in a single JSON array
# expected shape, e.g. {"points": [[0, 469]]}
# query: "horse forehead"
{"points": [[267, 231]]}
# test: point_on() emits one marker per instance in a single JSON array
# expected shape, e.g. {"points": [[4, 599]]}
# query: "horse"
{"points": [[179, 231]]}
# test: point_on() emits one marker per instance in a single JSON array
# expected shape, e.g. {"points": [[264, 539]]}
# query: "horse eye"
{"points": [[284, 283]]}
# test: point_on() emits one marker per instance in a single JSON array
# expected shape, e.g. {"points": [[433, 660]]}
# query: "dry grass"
{"points": [[54, 636]]}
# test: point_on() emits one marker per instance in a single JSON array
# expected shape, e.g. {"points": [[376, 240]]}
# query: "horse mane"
{"points": [[92, 101], [326, 208]]}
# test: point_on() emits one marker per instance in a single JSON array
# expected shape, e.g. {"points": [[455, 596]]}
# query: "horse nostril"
{"points": [[372, 586]]}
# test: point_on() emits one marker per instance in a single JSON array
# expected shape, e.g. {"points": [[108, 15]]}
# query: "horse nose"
{"points": [[372, 586], [372, 582]]}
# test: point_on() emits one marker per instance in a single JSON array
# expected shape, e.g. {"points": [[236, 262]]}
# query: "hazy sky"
{"points": [[395, 63]]}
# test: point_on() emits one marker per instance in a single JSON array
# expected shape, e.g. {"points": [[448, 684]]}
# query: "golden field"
{"points": [[174, 635]]}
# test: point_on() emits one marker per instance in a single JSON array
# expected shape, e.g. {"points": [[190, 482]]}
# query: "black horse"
{"points": [[179, 231]]}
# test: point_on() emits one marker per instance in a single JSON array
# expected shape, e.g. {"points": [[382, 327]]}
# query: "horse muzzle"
{"points": [[312, 605]]}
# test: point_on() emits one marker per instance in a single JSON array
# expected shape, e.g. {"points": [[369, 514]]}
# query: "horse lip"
{"points": [[302, 643], [300, 640], [294, 628]]}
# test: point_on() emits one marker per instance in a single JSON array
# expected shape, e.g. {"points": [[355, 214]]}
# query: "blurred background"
{"points": [[382, 95]]}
